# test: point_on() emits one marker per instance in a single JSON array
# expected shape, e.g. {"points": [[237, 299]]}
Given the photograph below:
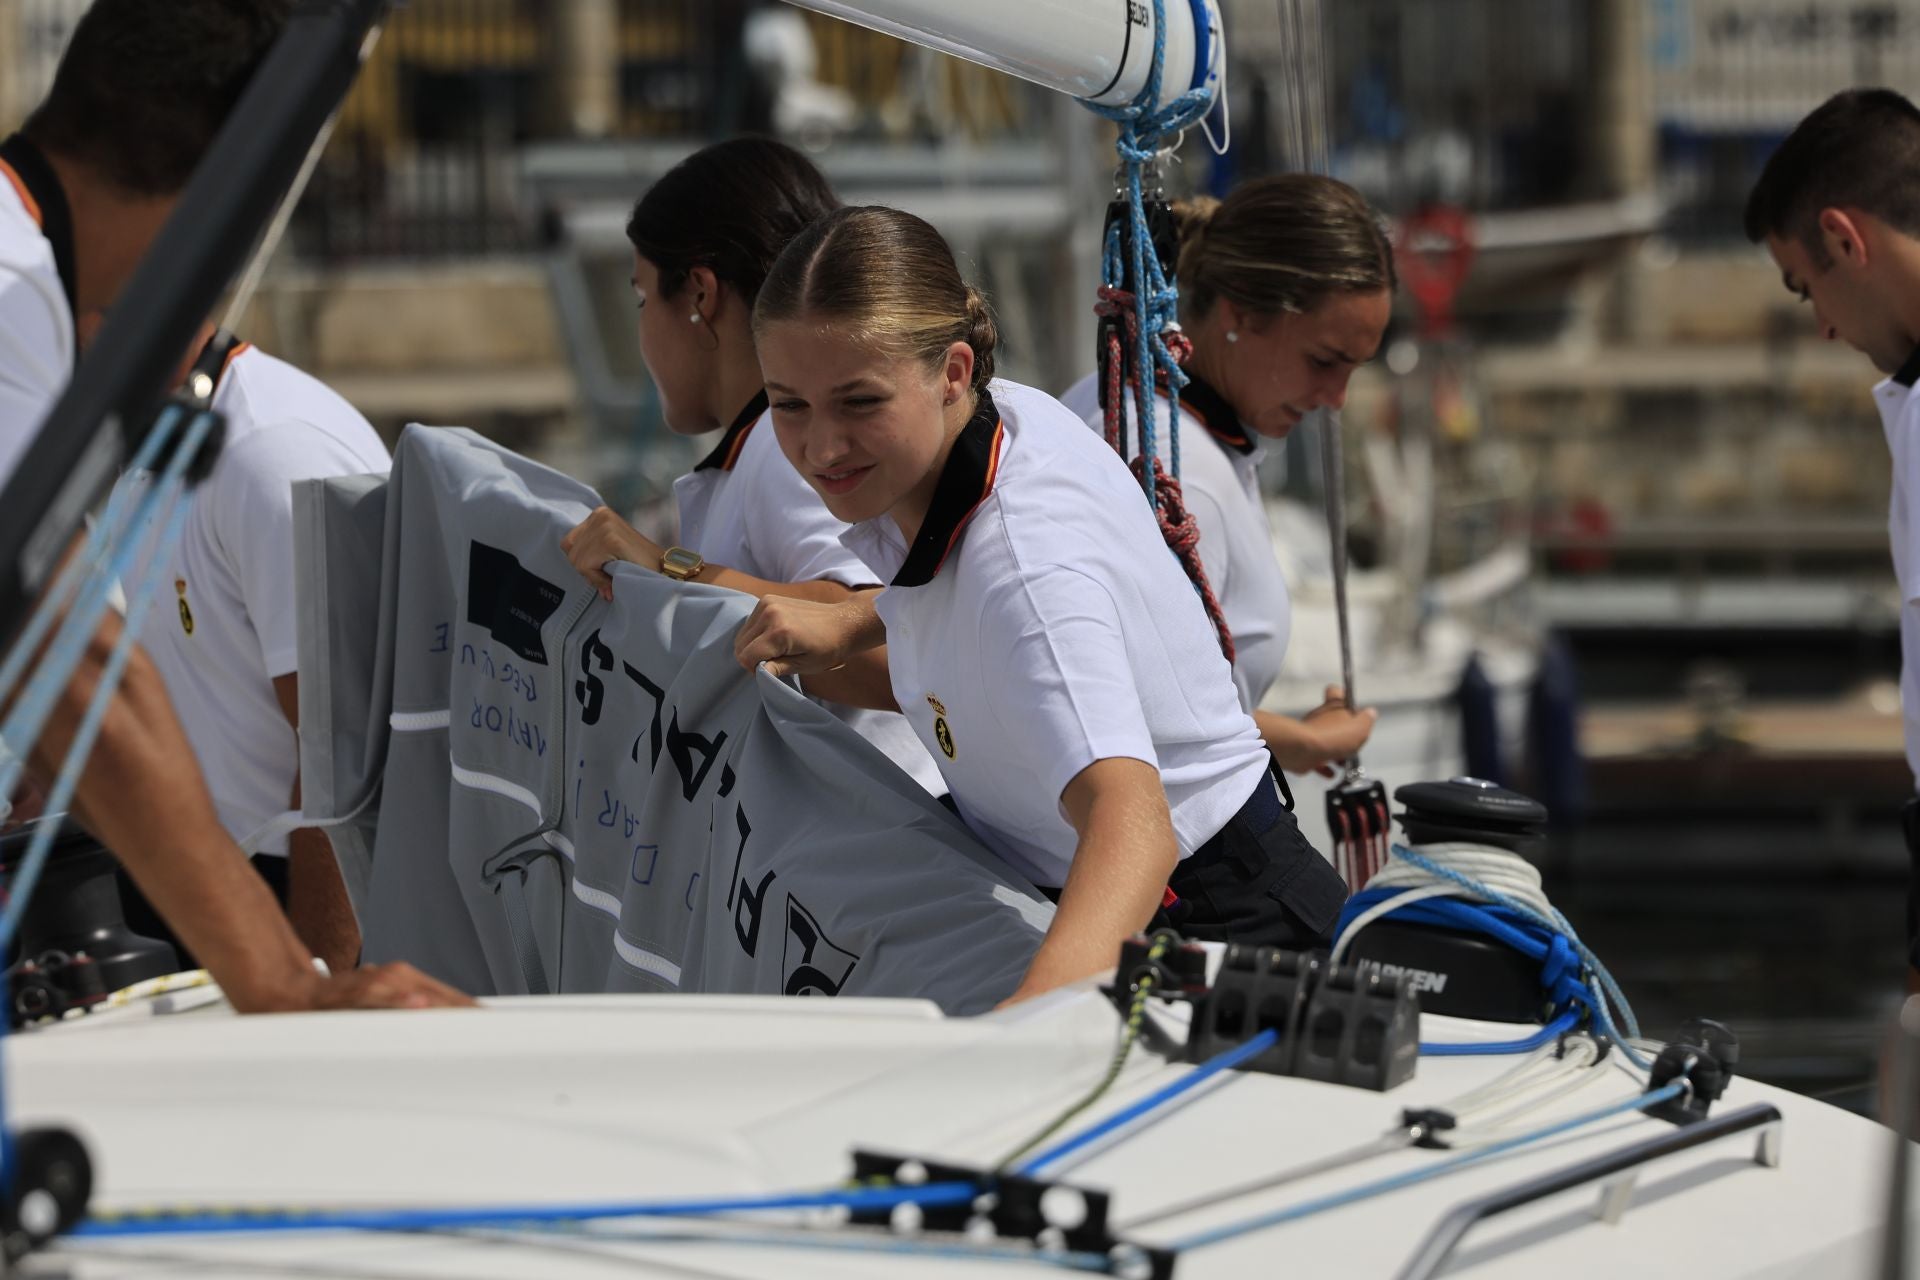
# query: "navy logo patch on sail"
{"points": [[511, 603], [814, 966]]}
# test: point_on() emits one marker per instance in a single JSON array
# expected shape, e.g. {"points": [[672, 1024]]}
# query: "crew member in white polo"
{"points": [[224, 636], [1838, 208], [85, 187], [1039, 637]]}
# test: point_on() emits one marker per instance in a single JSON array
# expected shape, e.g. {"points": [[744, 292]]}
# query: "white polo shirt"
{"points": [[1220, 479], [36, 297], [744, 507], [1899, 405], [222, 624], [1039, 623]]}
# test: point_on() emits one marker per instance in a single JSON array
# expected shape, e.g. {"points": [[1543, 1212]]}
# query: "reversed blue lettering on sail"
{"points": [[516, 729], [504, 670]]}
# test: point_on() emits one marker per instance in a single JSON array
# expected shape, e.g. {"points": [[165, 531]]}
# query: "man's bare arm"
{"points": [[317, 901], [142, 794]]}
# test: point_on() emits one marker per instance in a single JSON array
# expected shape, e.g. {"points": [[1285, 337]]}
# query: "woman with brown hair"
{"points": [[1285, 287], [1040, 640], [703, 238]]}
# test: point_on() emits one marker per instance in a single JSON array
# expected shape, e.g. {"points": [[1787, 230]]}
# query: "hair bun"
{"points": [[1192, 215], [983, 335]]}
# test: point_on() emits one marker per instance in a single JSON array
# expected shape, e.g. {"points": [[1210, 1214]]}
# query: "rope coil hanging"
{"points": [[1141, 343]]}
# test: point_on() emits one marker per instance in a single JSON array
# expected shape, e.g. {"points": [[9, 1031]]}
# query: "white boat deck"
{"points": [[612, 1098]]}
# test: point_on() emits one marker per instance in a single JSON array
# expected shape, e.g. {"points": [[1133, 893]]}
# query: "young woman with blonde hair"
{"points": [[1041, 641]]}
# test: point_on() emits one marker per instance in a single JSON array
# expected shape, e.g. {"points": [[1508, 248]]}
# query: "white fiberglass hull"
{"points": [[571, 1099]]}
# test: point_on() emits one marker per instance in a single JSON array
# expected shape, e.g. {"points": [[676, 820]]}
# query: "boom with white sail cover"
{"points": [[1100, 51]]}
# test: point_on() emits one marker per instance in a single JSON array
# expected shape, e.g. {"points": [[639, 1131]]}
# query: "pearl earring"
{"points": [[1233, 335], [694, 318]]}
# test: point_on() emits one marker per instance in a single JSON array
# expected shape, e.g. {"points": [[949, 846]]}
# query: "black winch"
{"points": [[74, 948], [1455, 972]]}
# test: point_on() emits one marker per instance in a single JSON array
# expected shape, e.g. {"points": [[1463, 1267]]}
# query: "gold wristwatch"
{"points": [[680, 564]]}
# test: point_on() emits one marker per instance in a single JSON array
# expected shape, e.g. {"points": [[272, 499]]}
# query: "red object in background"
{"points": [[1586, 522], [1434, 256]]}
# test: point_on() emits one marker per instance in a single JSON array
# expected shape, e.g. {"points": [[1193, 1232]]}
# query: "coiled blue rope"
{"points": [[1568, 967], [1156, 299]]}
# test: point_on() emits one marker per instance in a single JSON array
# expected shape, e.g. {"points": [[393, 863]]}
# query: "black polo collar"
{"points": [[1215, 414], [727, 452], [965, 481], [1909, 373], [46, 201]]}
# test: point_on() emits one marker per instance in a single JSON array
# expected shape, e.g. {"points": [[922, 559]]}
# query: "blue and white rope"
{"points": [[243, 1221], [1144, 127], [1417, 886]]}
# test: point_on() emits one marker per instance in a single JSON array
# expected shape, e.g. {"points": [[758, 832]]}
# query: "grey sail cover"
{"points": [[530, 789]]}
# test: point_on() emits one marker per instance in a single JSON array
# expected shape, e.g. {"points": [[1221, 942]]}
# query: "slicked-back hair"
{"points": [[1858, 150], [1283, 243], [731, 207], [144, 85], [885, 278]]}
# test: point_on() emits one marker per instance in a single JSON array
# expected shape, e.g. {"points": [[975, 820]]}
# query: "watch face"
{"points": [[680, 563]]}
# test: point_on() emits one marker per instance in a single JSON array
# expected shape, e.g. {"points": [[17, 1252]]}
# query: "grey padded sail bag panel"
{"points": [[531, 789]]}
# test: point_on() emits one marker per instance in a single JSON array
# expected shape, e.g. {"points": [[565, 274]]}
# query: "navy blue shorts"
{"points": [[1257, 881]]}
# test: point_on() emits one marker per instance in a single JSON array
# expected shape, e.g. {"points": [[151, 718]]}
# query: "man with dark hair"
{"points": [[1838, 207], [140, 93], [142, 89]]}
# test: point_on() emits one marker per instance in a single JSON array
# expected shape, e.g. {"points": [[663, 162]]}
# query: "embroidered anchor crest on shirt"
{"points": [[186, 614], [941, 733]]}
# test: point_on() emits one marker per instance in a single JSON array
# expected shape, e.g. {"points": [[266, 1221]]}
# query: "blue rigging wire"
{"points": [[255, 1221], [1425, 1173], [1213, 1066], [69, 647], [22, 726], [109, 554]]}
